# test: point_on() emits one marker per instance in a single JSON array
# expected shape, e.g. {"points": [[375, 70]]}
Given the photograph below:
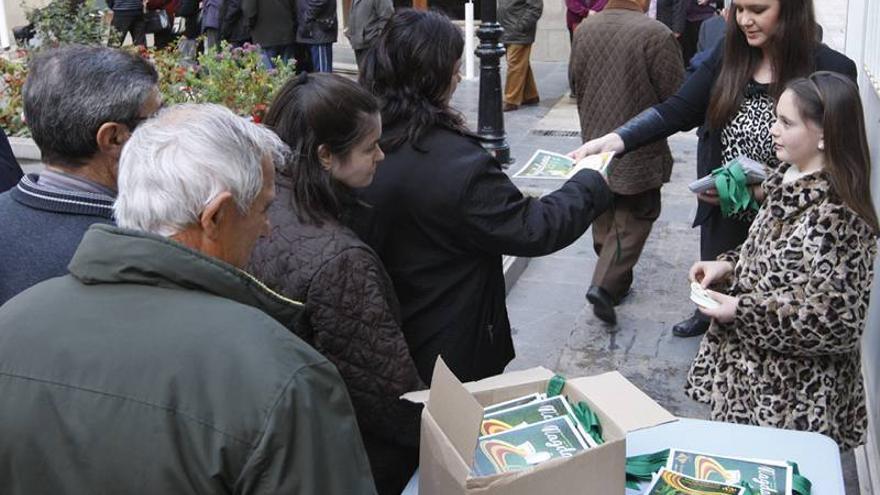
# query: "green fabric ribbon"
{"points": [[582, 412], [733, 191], [799, 484], [554, 387], [641, 468]]}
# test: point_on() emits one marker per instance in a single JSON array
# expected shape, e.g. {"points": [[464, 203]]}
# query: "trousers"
{"points": [[520, 86], [619, 235]]}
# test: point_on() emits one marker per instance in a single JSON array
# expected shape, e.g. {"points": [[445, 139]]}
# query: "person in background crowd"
{"points": [[81, 105], [731, 95], [575, 12], [672, 13], [351, 313], [444, 211], [211, 21], [273, 27], [622, 62], [163, 39], [696, 12], [519, 18], [784, 347], [158, 365], [578, 10], [10, 171], [128, 18], [233, 24], [366, 20], [317, 31], [711, 33]]}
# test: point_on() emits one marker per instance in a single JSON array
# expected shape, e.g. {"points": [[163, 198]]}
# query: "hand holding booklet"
{"points": [[549, 165]]}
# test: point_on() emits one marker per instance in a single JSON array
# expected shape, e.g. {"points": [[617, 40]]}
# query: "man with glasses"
{"points": [[81, 105]]}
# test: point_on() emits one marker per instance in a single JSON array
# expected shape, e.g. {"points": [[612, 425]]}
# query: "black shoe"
{"points": [[693, 326], [603, 305]]}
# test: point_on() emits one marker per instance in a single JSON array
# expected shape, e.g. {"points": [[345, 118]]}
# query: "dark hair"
{"points": [[311, 110], [72, 91], [831, 101], [791, 50], [410, 69]]}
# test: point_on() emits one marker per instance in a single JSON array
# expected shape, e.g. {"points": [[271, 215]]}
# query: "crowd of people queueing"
{"points": [[191, 302], [304, 30]]}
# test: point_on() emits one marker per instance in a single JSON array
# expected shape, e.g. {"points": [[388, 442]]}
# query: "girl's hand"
{"points": [[726, 312], [608, 142], [709, 272], [710, 196], [757, 192]]}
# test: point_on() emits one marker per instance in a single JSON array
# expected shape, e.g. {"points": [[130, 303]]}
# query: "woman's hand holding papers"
{"points": [[608, 142]]}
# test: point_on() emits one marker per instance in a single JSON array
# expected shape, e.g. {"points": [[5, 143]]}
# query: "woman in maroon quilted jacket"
{"points": [[351, 313]]}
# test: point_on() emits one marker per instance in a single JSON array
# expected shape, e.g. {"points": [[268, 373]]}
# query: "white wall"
{"points": [[861, 51]]}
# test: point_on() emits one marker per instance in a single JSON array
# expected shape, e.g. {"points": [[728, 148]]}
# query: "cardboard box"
{"points": [[451, 423]]}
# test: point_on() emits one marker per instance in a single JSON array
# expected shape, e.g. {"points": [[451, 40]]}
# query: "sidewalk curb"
{"points": [[24, 148], [514, 266]]}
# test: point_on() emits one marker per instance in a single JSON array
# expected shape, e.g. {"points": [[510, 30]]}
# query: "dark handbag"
{"points": [[157, 21]]}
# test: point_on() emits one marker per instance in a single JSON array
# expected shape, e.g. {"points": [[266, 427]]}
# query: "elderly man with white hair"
{"points": [[159, 366]]}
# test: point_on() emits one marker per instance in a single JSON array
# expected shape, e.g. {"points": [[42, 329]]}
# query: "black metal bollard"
{"points": [[490, 121]]}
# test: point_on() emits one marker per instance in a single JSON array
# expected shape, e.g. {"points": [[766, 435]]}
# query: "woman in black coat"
{"points": [[443, 210], [731, 96]]}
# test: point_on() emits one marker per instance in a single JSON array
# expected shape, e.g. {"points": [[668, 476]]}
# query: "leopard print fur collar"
{"points": [[787, 200]]}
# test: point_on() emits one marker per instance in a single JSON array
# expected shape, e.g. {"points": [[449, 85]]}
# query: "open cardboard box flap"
{"points": [[617, 397], [456, 411], [509, 379]]}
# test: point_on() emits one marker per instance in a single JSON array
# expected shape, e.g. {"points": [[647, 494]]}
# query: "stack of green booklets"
{"points": [[526, 431], [696, 473]]}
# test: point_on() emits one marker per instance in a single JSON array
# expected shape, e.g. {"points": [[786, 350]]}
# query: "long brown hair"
{"points": [[311, 110], [832, 101], [791, 51]]}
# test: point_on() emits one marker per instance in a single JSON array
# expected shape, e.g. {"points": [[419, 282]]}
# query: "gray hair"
{"points": [[179, 161], [72, 91]]}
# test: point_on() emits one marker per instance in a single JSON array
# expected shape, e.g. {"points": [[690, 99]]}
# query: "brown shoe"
{"points": [[531, 101], [509, 107]]}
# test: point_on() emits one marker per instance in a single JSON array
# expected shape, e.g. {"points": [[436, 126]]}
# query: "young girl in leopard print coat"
{"points": [[784, 346]]}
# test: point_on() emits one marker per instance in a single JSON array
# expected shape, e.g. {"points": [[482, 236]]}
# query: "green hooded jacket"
{"points": [[152, 368]]}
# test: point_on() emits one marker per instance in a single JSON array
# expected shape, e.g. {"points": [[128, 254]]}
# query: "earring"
{"points": [[821, 145]]}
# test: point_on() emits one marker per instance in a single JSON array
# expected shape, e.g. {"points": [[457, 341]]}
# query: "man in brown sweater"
{"points": [[623, 62]]}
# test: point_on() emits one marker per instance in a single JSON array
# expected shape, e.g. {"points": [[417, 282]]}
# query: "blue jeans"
{"points": [[270, 53], [322, 57]]}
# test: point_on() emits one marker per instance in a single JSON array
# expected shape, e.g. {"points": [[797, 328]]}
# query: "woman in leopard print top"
{"points": [[783, 349]]}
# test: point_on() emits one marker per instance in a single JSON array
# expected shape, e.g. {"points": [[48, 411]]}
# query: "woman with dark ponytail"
{"points": [[351, 314], [784, 347]]}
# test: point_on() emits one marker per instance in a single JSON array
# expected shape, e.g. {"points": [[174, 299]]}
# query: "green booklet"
{"points": [[525, 414], [519, 401], [765, 477], [672, 483], [515, 450], [549, 165]]}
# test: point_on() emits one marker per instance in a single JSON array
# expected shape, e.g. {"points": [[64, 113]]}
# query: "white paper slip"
{"points": [[701, 298]]}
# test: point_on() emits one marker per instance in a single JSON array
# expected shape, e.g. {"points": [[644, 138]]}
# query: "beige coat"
{"points": [[623, 62]]}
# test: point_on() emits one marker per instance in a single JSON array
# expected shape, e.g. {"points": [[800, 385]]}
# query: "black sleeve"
{"points": [[683, 111], [10, 171], [500, 220]]}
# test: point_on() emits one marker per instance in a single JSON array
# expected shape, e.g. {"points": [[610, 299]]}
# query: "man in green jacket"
{"points": [[158, 365], [519, 18]]}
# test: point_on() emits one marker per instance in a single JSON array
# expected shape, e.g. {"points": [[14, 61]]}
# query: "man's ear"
{"points": [[325, 156], [214, 214], [111, 137]]}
